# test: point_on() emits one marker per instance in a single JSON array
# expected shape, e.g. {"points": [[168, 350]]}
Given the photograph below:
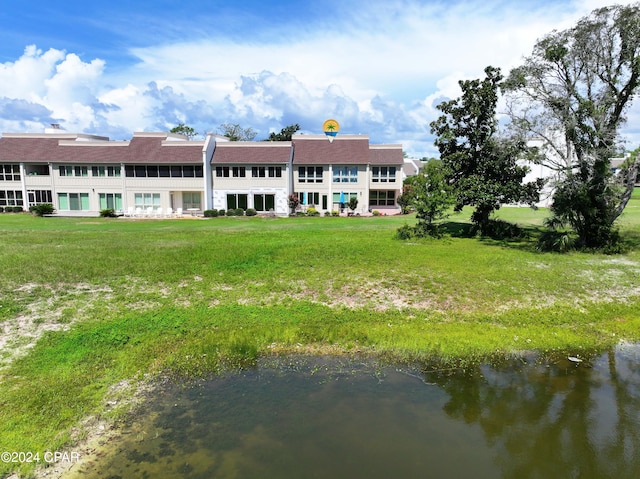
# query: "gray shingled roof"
{"points": [[241, 152], [62, 149], [317, 150]]}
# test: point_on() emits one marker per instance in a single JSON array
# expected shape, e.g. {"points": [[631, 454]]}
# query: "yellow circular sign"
{"points": [[331, 127]]}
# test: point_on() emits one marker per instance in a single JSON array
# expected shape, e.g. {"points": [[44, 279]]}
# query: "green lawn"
{"points": [[114, 299]]}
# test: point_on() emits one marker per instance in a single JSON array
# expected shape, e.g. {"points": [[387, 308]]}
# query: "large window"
{"points": [[36, 197], [382, 198], [147, 200], [264, 202], [238, 171], [73, 201], [235, 201], [113, 171], [9, 172], [310, 174], [163, 171], [11, 198], [222, 171], [345, 174], [383, 174], [191, 199], [110, 200]]}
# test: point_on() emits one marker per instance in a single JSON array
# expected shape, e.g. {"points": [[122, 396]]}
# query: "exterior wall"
{"points": [[332, 189], [387, 185]]}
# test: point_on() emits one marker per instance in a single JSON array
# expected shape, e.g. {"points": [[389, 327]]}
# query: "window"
{"points": [[222, 171], [147, 200], [235, 201], [275, 172], [9, 172], [345, 174], [73, 201], [68, 170], [382, 198], [36, 197], [383, 174], [264, 202], [313, 198], [310, 174], [110, 200], [113, 171], [11, 198], [190, 199], [258, 171], [162, 171], [347, 196], [238, 171]]}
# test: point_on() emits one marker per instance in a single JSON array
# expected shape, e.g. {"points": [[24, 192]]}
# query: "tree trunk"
{"points": [[630, 182]]}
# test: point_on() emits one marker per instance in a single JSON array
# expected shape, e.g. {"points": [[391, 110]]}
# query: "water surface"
{"points": [[332, 418]]}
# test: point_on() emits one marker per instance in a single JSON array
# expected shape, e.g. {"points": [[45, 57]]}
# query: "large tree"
{"points": [[235, 132], [481, 165], [571, 94]]}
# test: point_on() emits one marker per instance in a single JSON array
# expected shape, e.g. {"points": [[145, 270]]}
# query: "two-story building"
{"points": [[83, 174]]}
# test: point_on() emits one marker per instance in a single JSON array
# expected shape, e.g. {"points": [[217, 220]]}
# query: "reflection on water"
{"points": [[330, 419]]}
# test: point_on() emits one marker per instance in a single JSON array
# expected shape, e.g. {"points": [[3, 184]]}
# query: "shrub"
{"points": [[327, 213], [405, 232], [335, 213], [312, 212], [293, 201], [300, 213], [18, 209], [376, 213], [221, 212], [210, 213], [239, 212], [39, 210], [231, 212], [1, 209], [251, 212], [108, 213]]}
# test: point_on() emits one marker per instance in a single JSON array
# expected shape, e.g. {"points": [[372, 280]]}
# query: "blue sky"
{"points": [[378, 67]]}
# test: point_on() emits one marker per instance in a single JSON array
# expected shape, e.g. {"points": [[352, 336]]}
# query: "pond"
{"points": [[572, 417]]}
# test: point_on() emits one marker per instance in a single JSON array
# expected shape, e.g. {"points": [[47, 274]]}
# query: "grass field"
{"points": [[87, 303]]}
